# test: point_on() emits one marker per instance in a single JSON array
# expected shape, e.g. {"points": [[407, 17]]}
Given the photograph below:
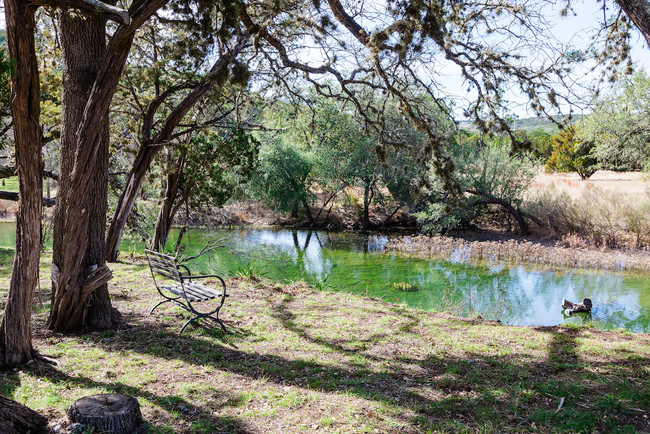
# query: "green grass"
{"points": [[298, 359], [10, 184]]}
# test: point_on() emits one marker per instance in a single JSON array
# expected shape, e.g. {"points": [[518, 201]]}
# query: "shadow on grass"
{"points": [[439, 390], [435, 391], [195, 418]]}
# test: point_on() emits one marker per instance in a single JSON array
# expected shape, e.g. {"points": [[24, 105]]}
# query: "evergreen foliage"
{"points": [[571, 155], [488, 175]]}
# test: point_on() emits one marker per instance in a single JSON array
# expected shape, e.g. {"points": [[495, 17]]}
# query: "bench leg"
{"points": [[154, 308], [219, 321], [223, 327], [188, 323]]}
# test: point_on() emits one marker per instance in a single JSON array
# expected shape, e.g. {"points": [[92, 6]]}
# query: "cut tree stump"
{"points": [[112, 413], [15, 418]]}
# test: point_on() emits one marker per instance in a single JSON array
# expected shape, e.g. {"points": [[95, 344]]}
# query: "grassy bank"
{"points": [[303, 360]]}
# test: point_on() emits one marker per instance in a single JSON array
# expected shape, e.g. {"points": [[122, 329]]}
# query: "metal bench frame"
{"points": [[185, 291]]}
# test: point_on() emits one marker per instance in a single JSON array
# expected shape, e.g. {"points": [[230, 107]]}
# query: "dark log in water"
{"points": [[571, 307]]}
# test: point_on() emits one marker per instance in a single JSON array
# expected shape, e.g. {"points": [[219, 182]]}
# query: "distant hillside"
{"points": [[527, 124]]}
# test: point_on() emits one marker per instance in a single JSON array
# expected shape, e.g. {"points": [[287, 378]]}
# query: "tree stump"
{"points": [[112, 413]]}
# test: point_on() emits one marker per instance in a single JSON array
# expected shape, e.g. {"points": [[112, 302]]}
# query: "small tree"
{"points": [[207, 170], [619, 125], [571, 155], [541, 144], [488, 175], [283, 179]]}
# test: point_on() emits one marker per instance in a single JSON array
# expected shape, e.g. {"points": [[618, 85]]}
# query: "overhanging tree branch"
{"points": [[13, 196], [9, 171], [110, 12]]}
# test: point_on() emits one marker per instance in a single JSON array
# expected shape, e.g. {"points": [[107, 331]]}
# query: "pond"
{"points": [[344, 261]]}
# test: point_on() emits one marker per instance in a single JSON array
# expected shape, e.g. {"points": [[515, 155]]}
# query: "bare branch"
{"points": [[9, 171]]}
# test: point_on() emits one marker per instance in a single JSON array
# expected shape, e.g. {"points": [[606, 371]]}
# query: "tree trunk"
{"points": [[15, 329], [151, 146], [523, 226], [111, 412], [366, 206], [639, 12], [15, 418], [310, 217], [167, 210], [83, 45], [143, 160]]}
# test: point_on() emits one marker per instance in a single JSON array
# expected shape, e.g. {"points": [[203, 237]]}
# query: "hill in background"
{"points": [[526, 124]]}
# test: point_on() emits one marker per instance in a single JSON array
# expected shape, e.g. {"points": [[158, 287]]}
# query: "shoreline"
{"points": [[486, 247], [482, 248]]}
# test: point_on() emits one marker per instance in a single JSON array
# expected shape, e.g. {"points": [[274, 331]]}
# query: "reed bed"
{"points": [[512, 250]]}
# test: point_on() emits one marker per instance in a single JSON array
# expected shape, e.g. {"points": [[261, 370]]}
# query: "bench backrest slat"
{"points": [[163, 265]]}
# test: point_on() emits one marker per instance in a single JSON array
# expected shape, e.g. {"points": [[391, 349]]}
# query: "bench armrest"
{"points": [[190, 278]]}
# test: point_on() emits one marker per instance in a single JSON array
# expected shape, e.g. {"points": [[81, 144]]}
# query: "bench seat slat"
{"points": [[193, 291], [178, 290]]}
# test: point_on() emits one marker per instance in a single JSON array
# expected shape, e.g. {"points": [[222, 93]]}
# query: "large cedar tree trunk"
{"points": [[76, 282], [83, 44], [15, 330]]}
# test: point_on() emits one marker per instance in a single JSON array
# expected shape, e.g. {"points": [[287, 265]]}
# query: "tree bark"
{"points": [[523, 226], [15, 329], [167, 210], [15, 418], [74, 286], [112, 412], [83, 45], [639, 12], [141, 164]]}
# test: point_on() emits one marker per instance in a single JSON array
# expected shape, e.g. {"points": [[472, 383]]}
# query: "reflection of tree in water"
{"points": [[519, 295], [474, 291]]}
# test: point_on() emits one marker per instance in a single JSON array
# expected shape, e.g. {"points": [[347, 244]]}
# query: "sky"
{"points": [[577, 28]]}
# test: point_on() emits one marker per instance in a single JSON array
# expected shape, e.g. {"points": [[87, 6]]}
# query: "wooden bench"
{"points": [[182, 289]]}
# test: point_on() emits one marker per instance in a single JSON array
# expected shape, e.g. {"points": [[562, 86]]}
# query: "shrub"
{"points": [[596, 218], [570, 155]]}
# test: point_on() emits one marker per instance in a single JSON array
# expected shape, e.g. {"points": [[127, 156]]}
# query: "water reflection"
{"points": [[520, 295]]}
